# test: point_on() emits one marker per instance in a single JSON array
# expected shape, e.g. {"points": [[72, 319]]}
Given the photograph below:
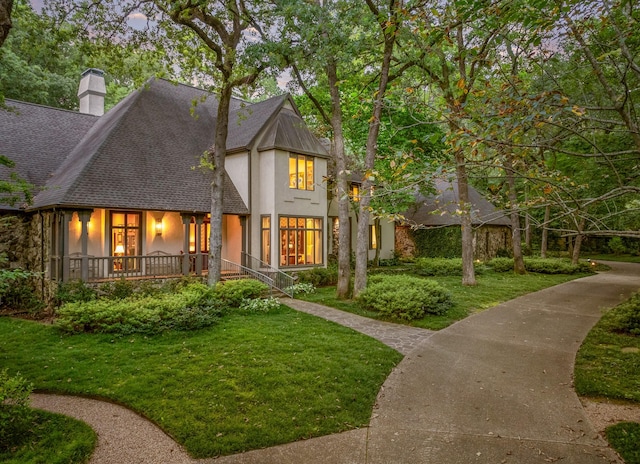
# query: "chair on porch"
{"points": [[162, 263]]}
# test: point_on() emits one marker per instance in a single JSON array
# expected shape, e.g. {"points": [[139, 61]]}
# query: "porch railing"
{"points": [[232, 270], [160, 265]]}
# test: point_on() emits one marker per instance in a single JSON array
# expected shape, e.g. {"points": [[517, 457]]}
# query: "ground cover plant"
{"points": [[53, 439], [625, 439], [253, 380], [493, 288], [608, 366]]}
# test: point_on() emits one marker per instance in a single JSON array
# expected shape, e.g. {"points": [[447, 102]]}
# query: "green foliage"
{"points": [[260, 305], [404, 297], [542, 266], [194, 307], [444, 242], [16, 289], [234, 292], [626, 317], [319, 276], [616, 246], [74, 291], [118, 290], [438, 266], [53, 439], [625, 439], [15, 414], [301, 288]]}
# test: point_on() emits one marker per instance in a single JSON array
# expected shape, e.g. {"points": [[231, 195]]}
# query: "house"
{"points": [[122, 194], [380, 232], [491, 226]]}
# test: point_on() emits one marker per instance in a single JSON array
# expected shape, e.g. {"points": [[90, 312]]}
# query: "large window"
{"points": [[265, 239], [301, 172], [300, 241], [125, 239], [374, 237]]}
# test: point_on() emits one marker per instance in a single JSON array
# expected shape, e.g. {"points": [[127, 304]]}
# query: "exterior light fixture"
{"points": [[159, 227]]}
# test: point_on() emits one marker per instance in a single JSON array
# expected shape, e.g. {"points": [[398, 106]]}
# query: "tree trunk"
{"points": [[468, 272], [575, 256], [5, 19], [516, 238], [377, 232], [344, 228], [217, 185], [545, 232], [362, 245], [527, 223]]}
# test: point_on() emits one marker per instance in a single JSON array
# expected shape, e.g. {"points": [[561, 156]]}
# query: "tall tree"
{"points": [[5, 19]]}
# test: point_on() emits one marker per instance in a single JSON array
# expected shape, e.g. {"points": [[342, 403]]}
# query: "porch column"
{"points": [[199, 221], [186, 220], [65, 219], [85, 217], [243, 232]]}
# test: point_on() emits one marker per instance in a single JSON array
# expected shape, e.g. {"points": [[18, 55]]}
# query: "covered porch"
{"points": [[95, 245]]}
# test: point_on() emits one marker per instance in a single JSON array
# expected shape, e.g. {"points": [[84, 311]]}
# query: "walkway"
{"points": [[493, 388]]}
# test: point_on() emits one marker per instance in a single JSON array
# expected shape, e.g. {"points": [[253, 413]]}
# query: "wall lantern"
{"points": [[159, 227]]}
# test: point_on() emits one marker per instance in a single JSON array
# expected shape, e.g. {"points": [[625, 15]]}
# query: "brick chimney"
{"points": [[92, 91]]}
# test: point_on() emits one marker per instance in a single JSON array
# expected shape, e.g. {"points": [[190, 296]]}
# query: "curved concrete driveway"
{"points": [[493, 388]]}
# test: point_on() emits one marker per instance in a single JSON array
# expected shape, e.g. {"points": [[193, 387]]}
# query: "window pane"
{"points": [[309, 173], [292, 223], [266, 222], [132, 220], [301, 223], [293, 172], [283, 222], [309, 223], [301, 177], [318, 247], [117, 220]]}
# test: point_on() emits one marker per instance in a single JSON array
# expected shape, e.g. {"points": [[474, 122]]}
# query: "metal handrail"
{"points": [[281, 280], [244, 271]]}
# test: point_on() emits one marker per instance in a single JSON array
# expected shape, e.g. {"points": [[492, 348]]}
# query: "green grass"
{"points": [[608, 366], [608, 363], [492, 289], [625, 438], [251, 381], [54, 439]]}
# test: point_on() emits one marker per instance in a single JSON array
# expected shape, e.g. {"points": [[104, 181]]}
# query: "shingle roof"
{"points": [[38, 138], [143, 154], [440, 209]]}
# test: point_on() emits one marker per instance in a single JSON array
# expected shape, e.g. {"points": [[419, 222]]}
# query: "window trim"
{"points": [[265, 253]]}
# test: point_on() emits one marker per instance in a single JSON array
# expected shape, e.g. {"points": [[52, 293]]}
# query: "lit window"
{"points": [[355, 192], [301, 172], [265, 252], [125, 239], [300, 241], [374, 236]]}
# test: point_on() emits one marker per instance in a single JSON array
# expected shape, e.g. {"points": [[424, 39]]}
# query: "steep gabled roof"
{"points": [[143, 154], [440, 209], [38, 138]]}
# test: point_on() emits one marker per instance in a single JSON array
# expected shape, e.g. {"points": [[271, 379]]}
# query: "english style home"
{"points": [[122, 194]]}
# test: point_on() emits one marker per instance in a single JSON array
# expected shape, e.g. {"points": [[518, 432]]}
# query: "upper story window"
{"points": [[354, 192], [301, 172]]}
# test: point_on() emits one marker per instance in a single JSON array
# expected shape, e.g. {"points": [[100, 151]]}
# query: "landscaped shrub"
{"points": [[438, 266], [301, 287], [626, 317], [501, 264], [118, 290], [194, 307], [616, 245], [319, 276], [75, 291], [15, 413], [234, 292], [404, 297], [16, 290]]}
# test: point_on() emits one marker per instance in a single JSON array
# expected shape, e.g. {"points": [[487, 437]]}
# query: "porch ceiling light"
{"points": [[159, 227]]}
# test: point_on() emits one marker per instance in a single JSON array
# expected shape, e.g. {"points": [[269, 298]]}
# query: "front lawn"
{"points": [[250, 381], [54, 439], [493, 288]]}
